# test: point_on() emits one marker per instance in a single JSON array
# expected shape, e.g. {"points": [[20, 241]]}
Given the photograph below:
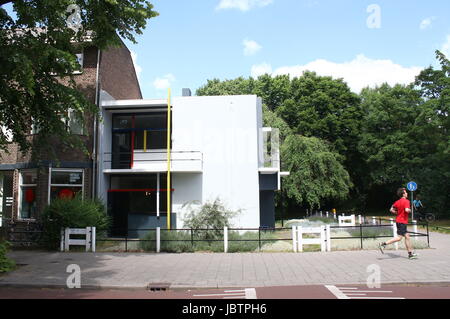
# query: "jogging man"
{"points": [[401, 208]]}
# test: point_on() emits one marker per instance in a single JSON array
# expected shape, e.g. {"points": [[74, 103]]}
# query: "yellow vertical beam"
{"points": [[168, 159], [145, 140]]}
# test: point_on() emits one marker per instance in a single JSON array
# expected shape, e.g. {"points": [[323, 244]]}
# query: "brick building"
{"points": [[27, 183]]}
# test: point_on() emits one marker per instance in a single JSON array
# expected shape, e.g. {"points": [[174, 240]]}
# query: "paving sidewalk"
{"points": [[219, 270]]}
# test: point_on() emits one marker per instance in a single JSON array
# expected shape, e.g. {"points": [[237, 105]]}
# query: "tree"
{"points": [[316, 173], [323, 107], [432, 136], [37, 60]]}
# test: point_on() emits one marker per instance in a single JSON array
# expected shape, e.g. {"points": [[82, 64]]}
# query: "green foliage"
{"points": [[37, 61], [316, 172], [75, 213], [185, 242], [6, 264], [211, 217], [383, 138]]}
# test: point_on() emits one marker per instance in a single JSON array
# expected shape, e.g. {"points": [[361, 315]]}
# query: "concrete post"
{"points": [[158, 239], [225, 239], [294, 238]]}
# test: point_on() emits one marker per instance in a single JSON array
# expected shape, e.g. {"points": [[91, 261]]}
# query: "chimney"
{"points": [[186, 92]]}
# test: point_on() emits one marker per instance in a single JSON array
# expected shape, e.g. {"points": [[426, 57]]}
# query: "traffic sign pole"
{"points": [[412, 186]]}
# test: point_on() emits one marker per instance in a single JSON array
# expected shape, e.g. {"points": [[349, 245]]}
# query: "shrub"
{"points": [[6, 264], [211, 216], [75, 213]]}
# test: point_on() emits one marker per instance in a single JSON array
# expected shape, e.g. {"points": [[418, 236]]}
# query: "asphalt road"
{"points": [[419, 291]]}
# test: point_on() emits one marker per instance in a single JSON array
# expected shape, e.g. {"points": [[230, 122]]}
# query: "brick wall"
{"points": [[118, 77], [117, 74]]}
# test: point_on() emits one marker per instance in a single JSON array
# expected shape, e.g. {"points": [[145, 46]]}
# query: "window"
{"points": [[72, 122], [65, 183], [141, 195], [149, 130], [27, 204], [80, 58], [6, 194]]}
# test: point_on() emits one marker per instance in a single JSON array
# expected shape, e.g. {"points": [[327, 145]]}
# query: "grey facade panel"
{"points": [[267, 209], [268, 182]]}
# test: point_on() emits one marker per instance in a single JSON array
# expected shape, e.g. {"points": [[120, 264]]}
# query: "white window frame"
{"points": [[80, 59], [20, 192], [66, 170]]}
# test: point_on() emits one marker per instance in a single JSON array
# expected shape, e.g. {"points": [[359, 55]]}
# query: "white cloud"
{"points": [[137, 67], [251, 47], [426, 23], [243, 5], [446, 47], [261, 69], [358, 73], [164, 82]]}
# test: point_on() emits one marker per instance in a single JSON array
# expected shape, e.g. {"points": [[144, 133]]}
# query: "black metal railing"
{"points": [[191, 237]]}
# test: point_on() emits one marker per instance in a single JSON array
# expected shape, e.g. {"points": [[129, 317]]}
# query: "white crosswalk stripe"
{"points": [[355, 293], [247, 293]]}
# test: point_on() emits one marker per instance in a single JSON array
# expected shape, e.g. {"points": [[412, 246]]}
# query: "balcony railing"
{"points": [[153, 161], [270, 149]]}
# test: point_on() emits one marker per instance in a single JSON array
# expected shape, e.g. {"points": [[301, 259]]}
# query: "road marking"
{"points": [[377, 298], [336, 292], [229, 294], [250, 293], [247, 293], [352, 293], [386, 291]]}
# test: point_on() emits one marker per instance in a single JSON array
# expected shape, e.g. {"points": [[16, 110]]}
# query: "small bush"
{"points": [[211, 216], [73, 213], [6, 264]]}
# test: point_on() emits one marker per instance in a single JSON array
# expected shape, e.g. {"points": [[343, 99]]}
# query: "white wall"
{"points": [[104, 145], [225, 129]]}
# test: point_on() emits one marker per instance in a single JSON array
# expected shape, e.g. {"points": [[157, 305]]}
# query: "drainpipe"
{"points": [[94, 147], [169, 187]]}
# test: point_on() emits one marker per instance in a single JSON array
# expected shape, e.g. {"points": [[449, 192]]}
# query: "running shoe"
{"points": [[382, 246], [412, 256]]}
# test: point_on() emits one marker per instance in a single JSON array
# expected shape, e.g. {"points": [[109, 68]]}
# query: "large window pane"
{"points": [[66, 184], [29, 177], [67, 178], [64, 192], [27, 202], [122, 122], [134, 182]]}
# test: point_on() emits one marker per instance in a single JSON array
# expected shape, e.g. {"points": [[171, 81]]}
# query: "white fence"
{"points": [[88, 242], [347, 220], [322, 234]]}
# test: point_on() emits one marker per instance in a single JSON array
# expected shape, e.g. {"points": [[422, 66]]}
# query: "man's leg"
{"points": [[394, 240], [408, 244], [383, 245]]}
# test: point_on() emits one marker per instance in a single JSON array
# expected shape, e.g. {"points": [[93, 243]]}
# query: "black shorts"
{"points": [[401, 229]]}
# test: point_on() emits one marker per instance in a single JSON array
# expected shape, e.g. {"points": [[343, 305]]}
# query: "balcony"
{"points": [[151, 162], [270, 161]]}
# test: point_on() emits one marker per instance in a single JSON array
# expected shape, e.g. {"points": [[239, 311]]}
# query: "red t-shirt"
{"points": [[402, 215]]}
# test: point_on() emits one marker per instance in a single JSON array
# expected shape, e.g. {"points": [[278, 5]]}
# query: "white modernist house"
{"points": [[219, 149]]}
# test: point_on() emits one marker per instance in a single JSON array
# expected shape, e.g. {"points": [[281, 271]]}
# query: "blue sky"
{"points": [[365, 42], [192, 41]]}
